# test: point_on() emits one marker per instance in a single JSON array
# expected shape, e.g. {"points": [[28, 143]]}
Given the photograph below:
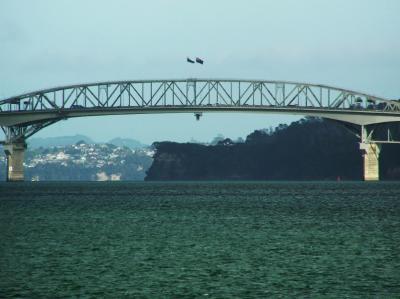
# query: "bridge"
{"points": [[24, 115]]}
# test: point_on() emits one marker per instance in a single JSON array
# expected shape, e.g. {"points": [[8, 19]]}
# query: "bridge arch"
{"points": [[23, 115]]}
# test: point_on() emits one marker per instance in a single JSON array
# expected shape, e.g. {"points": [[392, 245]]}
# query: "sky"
{"points": [[46, 43]]}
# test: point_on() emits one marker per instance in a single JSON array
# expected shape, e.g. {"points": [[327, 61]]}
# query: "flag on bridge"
{"points": [[198, 60]]}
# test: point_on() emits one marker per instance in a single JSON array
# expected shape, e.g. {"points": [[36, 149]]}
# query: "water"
{"points": [[209, 240]]}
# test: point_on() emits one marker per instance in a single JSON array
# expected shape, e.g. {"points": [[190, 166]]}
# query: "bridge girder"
{"points": [[24, 115], [30, 112]]}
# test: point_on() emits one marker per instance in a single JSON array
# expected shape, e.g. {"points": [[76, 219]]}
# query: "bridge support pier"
{"points": [[371, 153], [15, 160]]}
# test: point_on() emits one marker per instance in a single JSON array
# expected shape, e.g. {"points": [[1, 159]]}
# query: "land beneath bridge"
{"points": [[310, 149]]}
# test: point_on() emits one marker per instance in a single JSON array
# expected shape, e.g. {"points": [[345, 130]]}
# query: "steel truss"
{"points": [[195, 93], [20, 133]]}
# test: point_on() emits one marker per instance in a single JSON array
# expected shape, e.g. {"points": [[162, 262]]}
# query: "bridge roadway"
{"points": [[23, 115]]}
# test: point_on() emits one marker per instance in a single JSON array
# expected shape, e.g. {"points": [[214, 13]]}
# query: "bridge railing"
{"points": [[193, 92]]}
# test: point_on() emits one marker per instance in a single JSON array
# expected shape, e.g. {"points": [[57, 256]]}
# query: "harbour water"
{"points": [[200, 240]]}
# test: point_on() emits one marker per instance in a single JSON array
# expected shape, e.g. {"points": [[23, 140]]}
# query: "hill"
{"points": [[309, 149], [83, 161], [37, 142]]}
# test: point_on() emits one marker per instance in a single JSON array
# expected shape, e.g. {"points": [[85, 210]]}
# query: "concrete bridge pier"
{"points": [[370, 151], [15, 160]]}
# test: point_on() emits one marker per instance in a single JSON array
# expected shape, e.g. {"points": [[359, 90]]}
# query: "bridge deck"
{"points": [[23, 115]]}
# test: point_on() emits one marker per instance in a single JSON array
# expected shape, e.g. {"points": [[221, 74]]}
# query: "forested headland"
{"points": [[309, 149]]}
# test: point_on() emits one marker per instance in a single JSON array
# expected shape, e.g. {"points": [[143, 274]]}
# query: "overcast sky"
{"points": [[46, 43]]}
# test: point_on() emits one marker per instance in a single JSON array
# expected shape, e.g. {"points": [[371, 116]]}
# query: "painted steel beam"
{"points": [[23, 118], [194, 95]]}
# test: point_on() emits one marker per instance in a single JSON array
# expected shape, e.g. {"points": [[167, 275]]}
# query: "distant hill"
{"points": [[37, 142], [130, 143]]}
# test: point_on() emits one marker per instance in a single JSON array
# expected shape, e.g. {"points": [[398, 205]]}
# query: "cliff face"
{"points": [[309, 149]]}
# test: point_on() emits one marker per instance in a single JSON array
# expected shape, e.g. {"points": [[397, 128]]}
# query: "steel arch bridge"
{"points": [[23, 115]]}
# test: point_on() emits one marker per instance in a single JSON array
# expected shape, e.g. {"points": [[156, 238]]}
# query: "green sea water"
{"points": [[200, 240]]}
